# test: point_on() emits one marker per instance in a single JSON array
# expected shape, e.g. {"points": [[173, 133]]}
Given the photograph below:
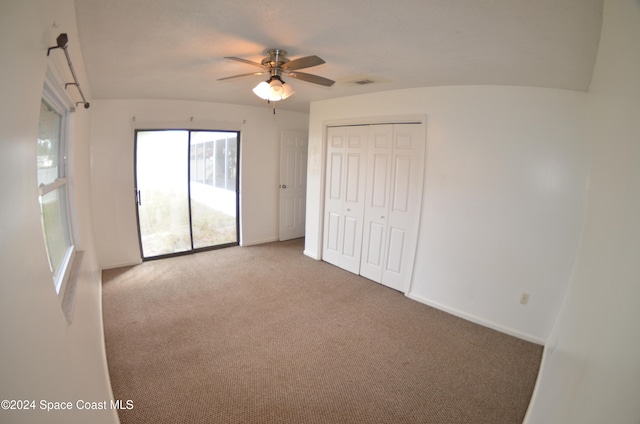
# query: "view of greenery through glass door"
{"points": [[186, 186]]}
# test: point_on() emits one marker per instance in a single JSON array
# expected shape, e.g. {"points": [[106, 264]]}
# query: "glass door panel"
{"points": [[163, 192], [213, 177]]}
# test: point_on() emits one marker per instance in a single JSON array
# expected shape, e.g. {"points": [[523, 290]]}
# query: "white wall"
{"points": [[112, 141], [41, 356], [503, 199], [591, 367]]}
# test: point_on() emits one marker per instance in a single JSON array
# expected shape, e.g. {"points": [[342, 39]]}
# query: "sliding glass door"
{"points": [[213, 188], [186, 190]]}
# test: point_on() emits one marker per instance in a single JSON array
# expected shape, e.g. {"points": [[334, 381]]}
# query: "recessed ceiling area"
{"points": [[167, 49]]}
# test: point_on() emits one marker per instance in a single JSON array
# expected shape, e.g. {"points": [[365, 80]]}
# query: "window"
{"points": [[53, 183]]}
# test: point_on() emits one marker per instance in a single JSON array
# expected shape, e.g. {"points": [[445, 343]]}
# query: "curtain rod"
{"points": [[62, 42]]}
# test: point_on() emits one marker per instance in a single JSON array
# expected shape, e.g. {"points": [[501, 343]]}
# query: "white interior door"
{"points": [[355, 175], [404, 205], [379, 171], [334, 188], [293, 184], [345, 196]]}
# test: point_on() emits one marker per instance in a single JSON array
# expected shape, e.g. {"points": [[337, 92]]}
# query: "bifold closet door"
{"points": [[376, 217], [345, 196], [393, 203], [373, 196]]}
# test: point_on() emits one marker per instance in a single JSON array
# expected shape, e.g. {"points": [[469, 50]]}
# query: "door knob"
{"points": [[283, 186]]}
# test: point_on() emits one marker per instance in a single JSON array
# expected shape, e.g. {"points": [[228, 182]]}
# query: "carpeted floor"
{"points": [[263, 334]]}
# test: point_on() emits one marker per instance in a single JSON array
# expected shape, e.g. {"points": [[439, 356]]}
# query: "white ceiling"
{"points": [[175, 49]]}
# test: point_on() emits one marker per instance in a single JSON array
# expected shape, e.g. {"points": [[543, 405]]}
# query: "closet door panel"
{"points": [[335, 176], [402, 184], [379, 189], [354, 196], [395, 250], [373, 254], [344, 196], [353, 192], [350, 240], [404, 212], [377, 201], [333, 233], [333, 219]]}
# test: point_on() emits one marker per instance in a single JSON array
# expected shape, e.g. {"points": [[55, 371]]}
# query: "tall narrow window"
{"points": [[53, 185]]}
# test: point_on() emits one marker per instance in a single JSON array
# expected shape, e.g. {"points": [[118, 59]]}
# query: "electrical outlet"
{"points": [[524, 298]]}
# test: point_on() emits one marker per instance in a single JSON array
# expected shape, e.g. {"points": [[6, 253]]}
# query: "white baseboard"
{"points": [[477, 320]]}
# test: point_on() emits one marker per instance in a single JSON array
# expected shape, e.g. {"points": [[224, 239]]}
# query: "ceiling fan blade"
{"points": [[239, 59], [311, 78], [303, 62], [241, 75]]}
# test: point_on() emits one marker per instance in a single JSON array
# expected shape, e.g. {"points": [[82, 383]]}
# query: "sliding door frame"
{"points": [[188, 177]]}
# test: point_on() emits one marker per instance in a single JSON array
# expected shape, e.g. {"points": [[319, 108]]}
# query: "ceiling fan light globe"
{"points": [[262, 90], [275, 87], [273, 90], [288, 90]]}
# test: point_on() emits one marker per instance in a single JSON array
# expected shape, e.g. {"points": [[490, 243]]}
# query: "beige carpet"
{"points": [[263, 334]]}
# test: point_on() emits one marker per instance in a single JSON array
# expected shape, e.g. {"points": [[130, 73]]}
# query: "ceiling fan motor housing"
{"points": [[276, 58]]}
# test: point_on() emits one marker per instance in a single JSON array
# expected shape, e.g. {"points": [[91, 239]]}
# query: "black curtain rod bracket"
{"points": [[61, 43]]}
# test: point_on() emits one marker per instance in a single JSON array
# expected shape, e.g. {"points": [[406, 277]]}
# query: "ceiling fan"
{"points": [[276, 64]]}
